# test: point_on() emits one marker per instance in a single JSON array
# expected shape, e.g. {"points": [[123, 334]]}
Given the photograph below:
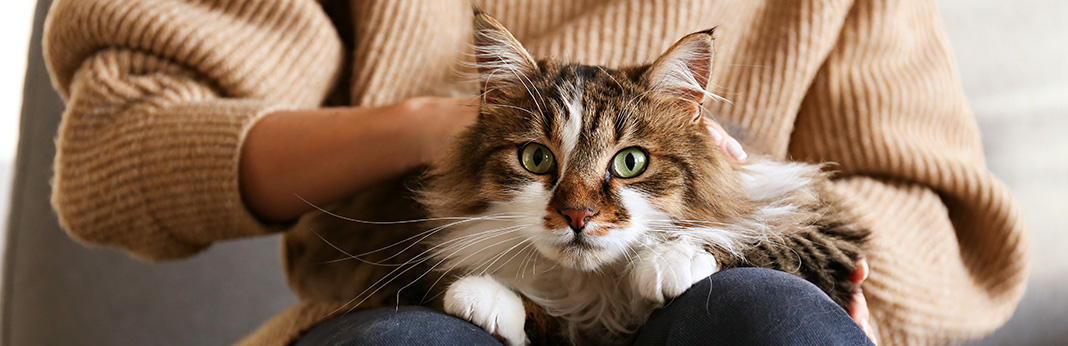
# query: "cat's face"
{"points": [[595, 160]]}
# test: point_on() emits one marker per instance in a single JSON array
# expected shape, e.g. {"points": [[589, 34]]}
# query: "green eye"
{"points": [[536, 158], [629, 162]]}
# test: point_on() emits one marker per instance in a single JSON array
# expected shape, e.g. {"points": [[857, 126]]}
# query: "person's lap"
{"points": [[742, 306]]}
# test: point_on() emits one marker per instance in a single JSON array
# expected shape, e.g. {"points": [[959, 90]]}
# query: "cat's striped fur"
{"points": [[509, 256], [646, 238]]}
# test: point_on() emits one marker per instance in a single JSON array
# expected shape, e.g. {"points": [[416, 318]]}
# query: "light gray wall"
{"points": [[1013, 59], [57, 292]]}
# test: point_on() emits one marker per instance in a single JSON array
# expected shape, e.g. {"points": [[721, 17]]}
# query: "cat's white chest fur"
{"points": [[611, 302]]}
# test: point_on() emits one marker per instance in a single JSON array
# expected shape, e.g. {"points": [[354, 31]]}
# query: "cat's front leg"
{"points": [[665, 270], [486, 303]]}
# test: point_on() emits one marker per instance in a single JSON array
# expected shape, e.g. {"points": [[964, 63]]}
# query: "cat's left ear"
{"points": [[503, 64], [682, 73]]}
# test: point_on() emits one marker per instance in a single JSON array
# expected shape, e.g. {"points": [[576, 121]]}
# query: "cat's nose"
{"points": [[577, 217]]}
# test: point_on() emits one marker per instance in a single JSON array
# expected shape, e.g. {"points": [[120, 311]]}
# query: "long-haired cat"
{"points": [[595, 195]]}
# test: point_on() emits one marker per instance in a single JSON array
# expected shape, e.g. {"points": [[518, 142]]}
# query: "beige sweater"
{"points": [[161, 93]]}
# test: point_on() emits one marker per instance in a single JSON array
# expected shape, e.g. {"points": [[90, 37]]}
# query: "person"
{"points": [[189, 123]]}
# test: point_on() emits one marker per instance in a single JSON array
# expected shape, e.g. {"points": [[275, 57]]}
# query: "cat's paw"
{"points": [[667, 270], [486, 303]]}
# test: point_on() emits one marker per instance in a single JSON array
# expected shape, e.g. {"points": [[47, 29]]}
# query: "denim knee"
{"points": [[752, 306], [749, 286], [396, 326]]}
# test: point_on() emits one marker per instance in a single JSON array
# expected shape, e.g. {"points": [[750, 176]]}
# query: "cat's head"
{"points": [[595, 159]]}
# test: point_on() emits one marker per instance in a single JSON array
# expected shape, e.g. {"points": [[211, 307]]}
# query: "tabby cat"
{"points": [[593, 195]]}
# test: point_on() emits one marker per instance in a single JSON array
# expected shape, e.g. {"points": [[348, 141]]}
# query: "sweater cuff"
{"points": [[213, 167], [922, 284], [169, 187]]}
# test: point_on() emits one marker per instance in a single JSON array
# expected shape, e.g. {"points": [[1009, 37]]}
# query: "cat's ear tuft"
{"points": [[502, 61], [682, 73]]}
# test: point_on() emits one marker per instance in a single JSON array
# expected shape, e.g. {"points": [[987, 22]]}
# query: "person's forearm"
{"points": [[326, 155]]}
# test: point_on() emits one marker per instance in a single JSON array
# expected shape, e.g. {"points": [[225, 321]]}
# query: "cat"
{"points": [[592, 195]]}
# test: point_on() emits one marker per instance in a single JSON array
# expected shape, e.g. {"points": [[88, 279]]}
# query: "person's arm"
{"points": [[160, 96], [324, 155], [948, 252]]}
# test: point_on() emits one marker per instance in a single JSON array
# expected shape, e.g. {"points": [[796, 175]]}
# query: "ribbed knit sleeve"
{"points": [[888, 107], [160, 95]]}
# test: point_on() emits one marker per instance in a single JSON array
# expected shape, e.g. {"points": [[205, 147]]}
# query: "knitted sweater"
{"points": [[160, 95]]}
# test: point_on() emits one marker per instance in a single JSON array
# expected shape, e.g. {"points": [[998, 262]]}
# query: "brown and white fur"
{"points": [[645, 239]]}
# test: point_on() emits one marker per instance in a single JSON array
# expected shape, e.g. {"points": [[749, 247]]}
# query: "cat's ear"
{"points": [[502, 62], [682, 73]]}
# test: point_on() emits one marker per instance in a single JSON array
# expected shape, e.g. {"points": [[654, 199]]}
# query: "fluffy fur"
{"points": [[489, 241], [690, 213]]}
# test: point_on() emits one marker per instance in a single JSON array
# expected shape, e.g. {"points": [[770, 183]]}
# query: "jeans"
{"points": [[741, 306]]}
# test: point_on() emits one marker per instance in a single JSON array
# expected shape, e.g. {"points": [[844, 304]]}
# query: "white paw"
{"points": [[486, 303], [667, 270]]}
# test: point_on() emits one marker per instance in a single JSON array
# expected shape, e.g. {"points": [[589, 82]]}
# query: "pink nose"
{"points": [[577, 217]]}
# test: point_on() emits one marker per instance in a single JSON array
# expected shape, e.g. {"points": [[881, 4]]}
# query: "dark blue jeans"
{"points": [[742, 306]]}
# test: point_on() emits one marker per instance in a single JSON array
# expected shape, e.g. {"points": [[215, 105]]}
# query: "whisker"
{"points": [[512, 107], [422, 235], [393, 275], [490, 265], [432, 268], [612, 77], [457, 263], [526, 261]]}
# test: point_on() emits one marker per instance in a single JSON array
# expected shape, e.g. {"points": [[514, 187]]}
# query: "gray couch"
{"points": [[1014, 65]]}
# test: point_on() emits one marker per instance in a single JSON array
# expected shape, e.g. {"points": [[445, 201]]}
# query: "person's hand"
{"points": [[292, 160], [442, 118], [725, 141], [858, 308]]}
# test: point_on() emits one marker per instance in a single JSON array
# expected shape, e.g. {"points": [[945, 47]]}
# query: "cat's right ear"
{"points": [[503, 63], [682, 73]]}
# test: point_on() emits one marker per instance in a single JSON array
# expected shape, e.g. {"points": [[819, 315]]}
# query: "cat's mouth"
{"points": [[580, 243], [580, 251]]}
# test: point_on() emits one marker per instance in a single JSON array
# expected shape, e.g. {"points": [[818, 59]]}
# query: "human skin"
{"points": [[324, 155], [294, 160]]}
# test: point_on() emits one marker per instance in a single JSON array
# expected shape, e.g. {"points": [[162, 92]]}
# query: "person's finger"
{"points": [[724, 141], [858, 310], [735, 149], [716, 131], [861, 272], [858, 307]]}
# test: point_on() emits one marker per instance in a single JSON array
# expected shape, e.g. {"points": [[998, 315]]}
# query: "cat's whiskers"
{"points": [[431, 269], [454, 250], [521, 78], [631, 255], [612, 77], [465, 258], [471, 239], [422, 236], [458, 263], [555, 264], [530, 259], [418, 259], [346, 218], [730, 237], [511, 229], [512, 107], [431, 232], [696, 223], [348, 256], [632, 104], [501, 255]]}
